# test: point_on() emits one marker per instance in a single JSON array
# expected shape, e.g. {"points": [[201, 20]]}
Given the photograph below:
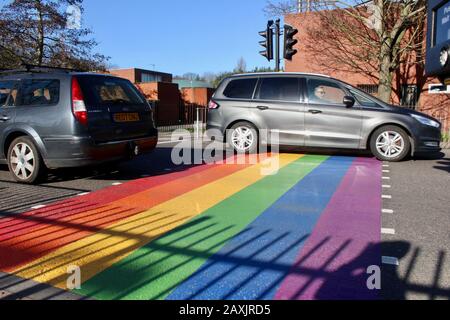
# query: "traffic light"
{"points": [[268, 42], [289, 42]]}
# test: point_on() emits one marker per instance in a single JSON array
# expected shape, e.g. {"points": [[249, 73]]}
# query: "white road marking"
{"points": [[385, 166], [83, 194], [116, 183], [38, 207], [384, 196], [386, 186], [386, 178], [392, 261], [386, 171], [388, 211], [388, 231]]}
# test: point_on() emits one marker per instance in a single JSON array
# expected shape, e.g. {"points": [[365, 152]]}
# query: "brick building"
{"points": [[408, 88], [175, 101]]}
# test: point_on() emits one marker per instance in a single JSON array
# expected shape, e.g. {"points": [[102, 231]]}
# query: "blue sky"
{"points": [[178, 36]]}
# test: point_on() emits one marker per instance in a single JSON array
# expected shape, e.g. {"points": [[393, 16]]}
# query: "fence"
{"points": [[185, 116]]}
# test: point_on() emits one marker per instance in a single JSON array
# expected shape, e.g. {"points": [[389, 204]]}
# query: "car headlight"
{"points": [[426, 121]]}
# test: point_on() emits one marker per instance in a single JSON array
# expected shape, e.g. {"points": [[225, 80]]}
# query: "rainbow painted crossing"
{"points": [[210, 232]]}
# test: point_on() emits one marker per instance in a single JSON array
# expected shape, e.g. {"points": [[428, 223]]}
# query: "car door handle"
{"points": [[263, 108], [4, 118], [315, 111]]}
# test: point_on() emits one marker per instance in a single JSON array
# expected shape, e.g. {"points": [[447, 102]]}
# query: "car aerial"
{"points": [[313, 110], [58, 118]]}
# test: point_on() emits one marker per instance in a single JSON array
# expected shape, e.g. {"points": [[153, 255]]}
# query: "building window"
{"points": [[369, 88], [148, 77], [409, 97]]}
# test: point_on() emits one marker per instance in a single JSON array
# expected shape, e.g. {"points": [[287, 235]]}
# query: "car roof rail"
{"points": [[30, 68]]}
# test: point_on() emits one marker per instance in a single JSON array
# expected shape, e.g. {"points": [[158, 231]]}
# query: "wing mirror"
{"points": [[349, 101]]}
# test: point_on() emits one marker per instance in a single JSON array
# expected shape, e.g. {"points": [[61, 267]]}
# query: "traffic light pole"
{"points": [[277, 45]]}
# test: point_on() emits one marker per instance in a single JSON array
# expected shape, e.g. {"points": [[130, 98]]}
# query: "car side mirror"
{"points": [[349, 101]]}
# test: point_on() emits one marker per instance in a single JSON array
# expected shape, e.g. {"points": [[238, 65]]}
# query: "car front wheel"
{"points": [[390, 143], [24, 161]]}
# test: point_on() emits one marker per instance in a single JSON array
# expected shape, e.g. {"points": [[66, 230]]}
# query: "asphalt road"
{"points": [[415, 221], [420, 190]]}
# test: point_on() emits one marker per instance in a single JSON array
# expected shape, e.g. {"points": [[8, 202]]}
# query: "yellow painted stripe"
{"points": [[98, 252]]}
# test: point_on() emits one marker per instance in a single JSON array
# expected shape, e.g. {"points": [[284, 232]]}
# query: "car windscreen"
{"points": [[100, 90]]}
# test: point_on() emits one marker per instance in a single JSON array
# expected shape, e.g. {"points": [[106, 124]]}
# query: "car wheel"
{"points": [[243, 137], [390, 143], [24, 161]]}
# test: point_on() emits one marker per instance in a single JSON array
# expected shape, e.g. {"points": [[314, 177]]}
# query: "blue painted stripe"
{"points": [[254, 263]]}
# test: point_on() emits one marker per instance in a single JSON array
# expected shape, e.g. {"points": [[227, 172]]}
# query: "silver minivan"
{"points": [[310, 110]]}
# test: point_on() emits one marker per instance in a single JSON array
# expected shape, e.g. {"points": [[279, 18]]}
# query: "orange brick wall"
{"points": [[198, 96]]}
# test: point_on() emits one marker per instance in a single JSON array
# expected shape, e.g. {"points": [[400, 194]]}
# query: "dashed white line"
{"points": [[386, 186], [116, 183], [385, 166], [385, 196], [83, 194], [386, 171], [392, 261], [388, 231], [386, 178], [389, 211], [38, 207]]}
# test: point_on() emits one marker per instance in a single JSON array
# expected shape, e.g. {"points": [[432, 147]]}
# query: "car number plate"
{"points": [[126, 117]]}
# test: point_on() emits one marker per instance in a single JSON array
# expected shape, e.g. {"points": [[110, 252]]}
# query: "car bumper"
{"points": [[428, 140], [80, 152], [215, 132]]}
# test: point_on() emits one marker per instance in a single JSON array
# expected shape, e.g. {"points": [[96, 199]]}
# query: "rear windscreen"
{"points": [[109, 91]]}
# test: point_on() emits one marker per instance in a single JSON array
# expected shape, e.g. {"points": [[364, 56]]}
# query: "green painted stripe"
{"points": [[154, 271]]}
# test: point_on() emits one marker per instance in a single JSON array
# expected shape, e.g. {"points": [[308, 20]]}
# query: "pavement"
{"points": [[148, 229]]}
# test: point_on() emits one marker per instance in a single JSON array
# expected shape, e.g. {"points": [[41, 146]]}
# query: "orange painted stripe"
{"points": [[52, 233]]}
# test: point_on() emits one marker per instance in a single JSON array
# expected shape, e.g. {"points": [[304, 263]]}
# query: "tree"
{"points": [[280, 8], [39, 32], [379, 38], [241, 66]]}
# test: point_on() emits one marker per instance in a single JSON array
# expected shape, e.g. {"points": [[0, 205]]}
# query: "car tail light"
{"points": [[213, 105], [78, 106]]}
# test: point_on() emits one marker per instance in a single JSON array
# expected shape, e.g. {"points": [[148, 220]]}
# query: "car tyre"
{"points": [[25, 162], [390, 143], [243, 138]]}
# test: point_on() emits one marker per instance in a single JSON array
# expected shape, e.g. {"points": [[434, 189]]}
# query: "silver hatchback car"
{"points": [[316, 111]]}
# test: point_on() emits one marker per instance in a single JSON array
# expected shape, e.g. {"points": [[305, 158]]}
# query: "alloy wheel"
{"points": [[390, 144], [22, 161], [242, 139]]}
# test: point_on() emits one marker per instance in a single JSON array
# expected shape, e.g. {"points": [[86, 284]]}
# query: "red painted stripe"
{"points": [[104, 196], [28, 237]]}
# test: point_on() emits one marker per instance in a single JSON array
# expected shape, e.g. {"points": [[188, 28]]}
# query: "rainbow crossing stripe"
{"points": [[209, 232]]}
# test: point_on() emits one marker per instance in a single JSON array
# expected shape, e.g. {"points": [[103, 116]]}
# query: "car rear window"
{"points": [[280, 89], [107, 90], [240, 89], [38, 93]]}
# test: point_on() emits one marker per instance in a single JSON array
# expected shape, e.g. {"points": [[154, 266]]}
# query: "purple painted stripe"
{"points": [[346, 241]]}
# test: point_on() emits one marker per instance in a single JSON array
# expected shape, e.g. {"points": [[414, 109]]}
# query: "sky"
{"points": [[178, 36]]}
